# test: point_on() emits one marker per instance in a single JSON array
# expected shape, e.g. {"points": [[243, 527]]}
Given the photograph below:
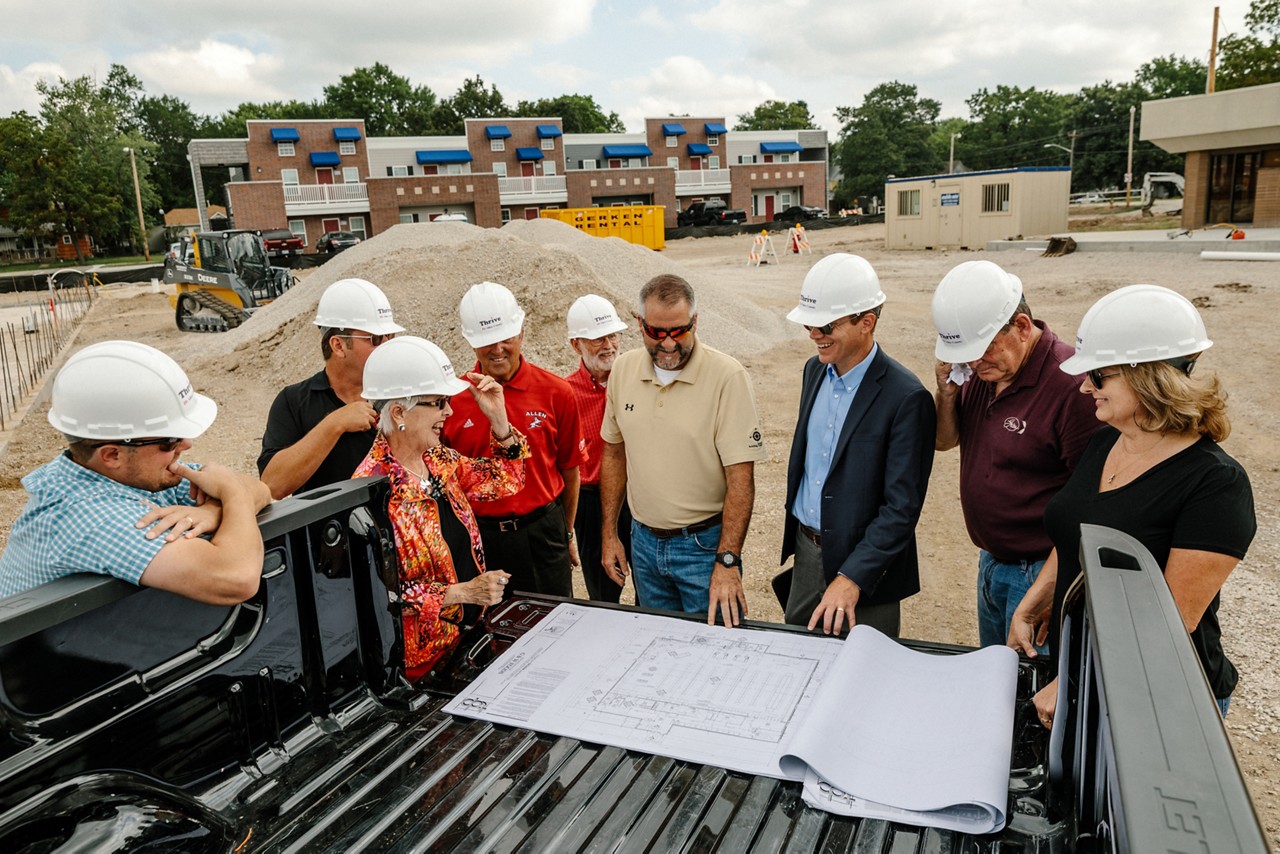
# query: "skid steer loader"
{"points": [[221, 277]]}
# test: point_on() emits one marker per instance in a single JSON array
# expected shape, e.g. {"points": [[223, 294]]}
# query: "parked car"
{"points": [[710, 212], [336, 241], [281, 243], [451, 217], [800, 213], [176, 252]]}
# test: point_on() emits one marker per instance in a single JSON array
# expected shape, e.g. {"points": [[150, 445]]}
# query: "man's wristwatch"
{"points": [[728, 559]]}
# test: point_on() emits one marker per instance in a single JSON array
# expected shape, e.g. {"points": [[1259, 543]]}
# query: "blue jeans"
{"points": [[1001, 587], [1223, 705], [673, 573]]}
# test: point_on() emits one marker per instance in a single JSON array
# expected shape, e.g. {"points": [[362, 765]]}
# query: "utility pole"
{"points": [[137, 194], [951, 162], [1213, 54], [1128, 173]]}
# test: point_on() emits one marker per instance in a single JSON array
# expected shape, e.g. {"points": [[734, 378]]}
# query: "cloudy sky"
{"points": [[637, 58]]}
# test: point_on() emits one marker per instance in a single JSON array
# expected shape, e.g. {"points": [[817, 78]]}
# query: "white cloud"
{"points": [[569, 78], [18, 88], [215, 72], [682, 85]]}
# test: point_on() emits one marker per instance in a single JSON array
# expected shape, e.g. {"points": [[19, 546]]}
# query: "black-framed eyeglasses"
{"points": [[374, 340], [675, 333], [165, 445], [828, 328], [435, 402], [1097, 377]]}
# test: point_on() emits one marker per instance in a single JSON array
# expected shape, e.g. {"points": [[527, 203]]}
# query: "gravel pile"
{"points": [[425, 268]]}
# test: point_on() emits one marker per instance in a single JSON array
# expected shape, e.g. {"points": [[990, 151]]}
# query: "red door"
{"points": [[615, 164], [324, 176], [526, 170], [695, 164], [430, 169], [768, 158], [328, 225], [530, 213], [768, 208]]}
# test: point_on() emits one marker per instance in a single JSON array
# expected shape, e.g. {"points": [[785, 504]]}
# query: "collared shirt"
{"points": [[541, 406], [77, 520], [295, 412], [427, 567], [1018, 448], [680, 436], [826, 418], [590, 395]]}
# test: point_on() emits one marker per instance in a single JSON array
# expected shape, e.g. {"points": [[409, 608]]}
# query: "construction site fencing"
{"points": [[35, 328]]}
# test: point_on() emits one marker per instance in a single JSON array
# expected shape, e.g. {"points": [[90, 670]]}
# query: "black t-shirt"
{"points": [[1198, 499], [296, 410]]}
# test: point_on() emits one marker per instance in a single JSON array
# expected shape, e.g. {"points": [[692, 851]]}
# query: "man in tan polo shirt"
{"points": [[681, 438]]}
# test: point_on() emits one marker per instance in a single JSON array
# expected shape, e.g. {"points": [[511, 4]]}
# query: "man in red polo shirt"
{"points": [[593, 334], [529, 534]]}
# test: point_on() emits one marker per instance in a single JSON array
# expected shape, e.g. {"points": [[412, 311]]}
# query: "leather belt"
{"points": [[515, 523], [813, 536], [668, 533]]}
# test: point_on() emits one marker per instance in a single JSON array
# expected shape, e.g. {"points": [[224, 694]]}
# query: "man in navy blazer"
{"points": [[860, 460]]}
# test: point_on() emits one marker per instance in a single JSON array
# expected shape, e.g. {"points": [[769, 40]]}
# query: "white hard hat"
{"points": [[127, 390], [409, 366], [356, 304], [1137, 323], [971, 304], [837, 286], [489, 314], [593, 317]]}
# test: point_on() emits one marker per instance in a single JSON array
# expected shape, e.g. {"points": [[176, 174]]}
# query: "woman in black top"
{"points": [[1155, 472]]}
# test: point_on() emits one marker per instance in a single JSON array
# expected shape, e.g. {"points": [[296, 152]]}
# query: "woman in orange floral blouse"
{"points": [[409, 381]]}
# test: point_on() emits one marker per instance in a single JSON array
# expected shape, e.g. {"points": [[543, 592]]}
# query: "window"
{"points": [[784, 158], [746, 158], [635, 163], [66, 239], [713, 139], [497, 145], [673, 141], [713, 162], [405, 219], [785, 200], [588, 164], [289, 176], [548, 167], [351, 174], [673, 162], [500, 169], [397, 171], [355, 225], [549, 144], [908, 203], [299, 229], [995, 198], [347, 146], [506, 214], [285, 149], [453, 169]]}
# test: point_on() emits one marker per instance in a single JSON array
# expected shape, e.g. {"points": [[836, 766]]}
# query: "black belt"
{"points": [[588, 487], [813, 536], [515, 523], [668, 533]]}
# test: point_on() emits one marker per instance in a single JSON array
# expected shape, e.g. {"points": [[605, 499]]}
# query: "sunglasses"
{"points": [[435, 403], [828, 328], [1181, 363], [675, 333], [374, 340], [1097, 377], [165, 445]]}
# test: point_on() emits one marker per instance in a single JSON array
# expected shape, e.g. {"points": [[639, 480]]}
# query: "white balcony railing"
{"points": [[532, 186], [691, 179], [324, 194]]}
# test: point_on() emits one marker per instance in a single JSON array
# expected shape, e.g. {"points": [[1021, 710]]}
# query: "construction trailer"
{"points": [[968, 209]]}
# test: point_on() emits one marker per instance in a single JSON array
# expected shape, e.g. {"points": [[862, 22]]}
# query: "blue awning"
{"points": [[548, 132], [779, 147], [673, 129], [715, 128], [346, 134], [445, 155], [497, 131], [284, 135], [627, 151], [529, 153], [325, 158], [699, 148]]}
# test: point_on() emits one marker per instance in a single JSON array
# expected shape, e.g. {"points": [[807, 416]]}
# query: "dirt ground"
{"points": [[1239, 301]]}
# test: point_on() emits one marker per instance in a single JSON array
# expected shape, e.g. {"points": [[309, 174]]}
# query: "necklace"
{"points": [[424, 480], [1136, 459]]}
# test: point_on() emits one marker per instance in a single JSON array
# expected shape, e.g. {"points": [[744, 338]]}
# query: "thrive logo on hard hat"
{"points": [[489, 314]]}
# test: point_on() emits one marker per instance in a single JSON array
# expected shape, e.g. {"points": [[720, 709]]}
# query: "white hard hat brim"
{"points": [[968, 351], [608, 329], [812, 317]]}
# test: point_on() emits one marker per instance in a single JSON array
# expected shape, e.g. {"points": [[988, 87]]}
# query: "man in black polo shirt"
{"points": [[319, 430]]}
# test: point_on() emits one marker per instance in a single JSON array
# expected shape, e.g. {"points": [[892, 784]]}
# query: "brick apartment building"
{"points": [[319, 176]]}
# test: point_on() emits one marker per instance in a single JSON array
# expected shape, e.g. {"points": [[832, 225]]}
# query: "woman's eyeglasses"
{"points": [[435, 402], [1097, 377], [675, 333]]}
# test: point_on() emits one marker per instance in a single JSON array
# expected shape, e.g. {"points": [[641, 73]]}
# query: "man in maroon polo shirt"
{"points": [[594, 326], [529, 534], [1020, 422]]}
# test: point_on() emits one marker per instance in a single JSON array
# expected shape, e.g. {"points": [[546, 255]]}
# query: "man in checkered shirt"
{"points": [[119, 502]]}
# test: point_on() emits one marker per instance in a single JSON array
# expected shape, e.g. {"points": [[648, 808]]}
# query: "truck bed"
{"points": [[284, 724]]}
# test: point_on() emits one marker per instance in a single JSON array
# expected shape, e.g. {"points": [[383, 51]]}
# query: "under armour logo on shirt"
{"points": [[629, 407]]}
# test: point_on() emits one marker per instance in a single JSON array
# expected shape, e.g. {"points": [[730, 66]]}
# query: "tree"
{"points": [[1010, 126], [577, 113], [777, 115], [1253, 59], [1101, 115], [389, 104], [168, 124], [887, 135], [231, 124], [471, 101], [1172, 77]]}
